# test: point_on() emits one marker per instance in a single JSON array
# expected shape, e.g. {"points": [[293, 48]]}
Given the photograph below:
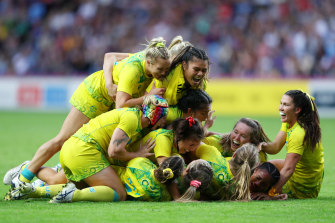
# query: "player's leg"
{"points": [[104, 186], [72, 123]]}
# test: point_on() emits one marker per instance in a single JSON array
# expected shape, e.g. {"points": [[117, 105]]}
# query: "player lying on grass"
{"points": [[302, 170], [143, 181], [262, 179]]}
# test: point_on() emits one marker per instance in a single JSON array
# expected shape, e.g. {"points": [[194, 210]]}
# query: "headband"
{"points": [[160, 44], [311, 99]]}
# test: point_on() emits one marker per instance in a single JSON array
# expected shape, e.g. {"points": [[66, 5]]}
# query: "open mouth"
{"points": [[197, 79], [236, 144], [282, 114]]}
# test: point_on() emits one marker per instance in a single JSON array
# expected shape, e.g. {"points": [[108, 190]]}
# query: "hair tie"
{"points": [[272, 192], [168, 170], [195, 183], [311, 99], [160, 44], [190, 121]]}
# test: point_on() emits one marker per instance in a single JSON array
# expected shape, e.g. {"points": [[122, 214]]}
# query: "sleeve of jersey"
{"points": [[128, 78], [128, 123], [295, 143], [163, 146], [283, 127], [158, 84], [207, 152]]}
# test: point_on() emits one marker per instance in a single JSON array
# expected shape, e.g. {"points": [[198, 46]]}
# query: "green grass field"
{"points": [[22, 133]]}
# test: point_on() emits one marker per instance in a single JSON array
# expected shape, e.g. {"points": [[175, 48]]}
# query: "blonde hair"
{"points": [[243, 161], [178, 46], [201, 171], [156, 48]]}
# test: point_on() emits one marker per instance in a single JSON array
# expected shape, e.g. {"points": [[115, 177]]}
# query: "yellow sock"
{"points": [[97, 193], [46, 191], [24, 166], [23, 179]]}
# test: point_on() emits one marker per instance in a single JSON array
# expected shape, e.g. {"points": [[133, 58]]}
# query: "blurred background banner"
{"points": [[244, 97]]}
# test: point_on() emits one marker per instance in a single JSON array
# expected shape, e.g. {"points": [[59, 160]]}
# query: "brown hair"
{"points": [[170, 169]]}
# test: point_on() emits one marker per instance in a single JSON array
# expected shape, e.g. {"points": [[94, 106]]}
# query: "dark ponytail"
{"points": [[308, 117]]}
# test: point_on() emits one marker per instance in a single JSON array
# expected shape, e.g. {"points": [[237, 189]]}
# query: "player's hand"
{"points": [[261, 146], [144, 150], [157, 91], [112, 90], [210, 120]]}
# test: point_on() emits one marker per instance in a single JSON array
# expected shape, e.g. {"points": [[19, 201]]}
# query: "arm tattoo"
{"points": [[123, 138]]}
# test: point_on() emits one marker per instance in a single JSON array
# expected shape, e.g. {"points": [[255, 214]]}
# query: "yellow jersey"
{"points": [[174, 85], [221, 171], [140, 182], [308, 173], [129, 75], [99, 130], [164, 146]]}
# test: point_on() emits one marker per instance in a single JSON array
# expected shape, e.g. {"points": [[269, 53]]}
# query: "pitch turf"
{"points": [[22, 133]]}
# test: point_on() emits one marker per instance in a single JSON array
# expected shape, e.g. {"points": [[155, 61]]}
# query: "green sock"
{"points": [[96, 193], [46, 191]]}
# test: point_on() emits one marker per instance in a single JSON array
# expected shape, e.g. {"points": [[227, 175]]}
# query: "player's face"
{"points": [[260, 181], [240, 135], [194, 71], [188, 145], [159, 68], [288, 112], [200, 114]]}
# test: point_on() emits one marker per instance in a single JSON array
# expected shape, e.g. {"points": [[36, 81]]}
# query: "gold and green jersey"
{"points": [[129, 74], [139, 181], [221, 170], [164, 146], [99, 130], [174, 85], [308, 172]]}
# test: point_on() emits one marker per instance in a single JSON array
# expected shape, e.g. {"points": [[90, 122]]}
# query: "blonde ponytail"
{"points": [[156, 49], [178, 47], [243, 161]]}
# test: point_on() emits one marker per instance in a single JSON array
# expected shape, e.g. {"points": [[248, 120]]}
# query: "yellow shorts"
{"points": [[81, 159], [299, 192], [91, 96]]}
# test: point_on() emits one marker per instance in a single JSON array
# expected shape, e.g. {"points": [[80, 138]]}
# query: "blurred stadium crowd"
{"points": [[255, 38]]}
